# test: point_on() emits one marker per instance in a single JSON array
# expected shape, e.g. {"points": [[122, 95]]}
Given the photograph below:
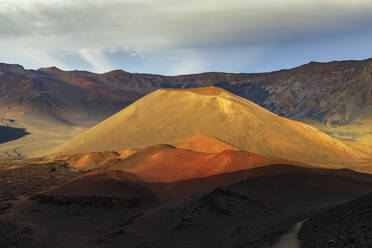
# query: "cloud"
{"points": [[155, 29], [187, 64], [97, 59]]}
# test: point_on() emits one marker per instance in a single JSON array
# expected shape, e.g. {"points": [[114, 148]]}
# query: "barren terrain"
{"points": [[245, 209]]}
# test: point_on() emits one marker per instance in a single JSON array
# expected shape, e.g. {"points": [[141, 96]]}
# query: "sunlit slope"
{"points": [[359, 131], [168, 115]]}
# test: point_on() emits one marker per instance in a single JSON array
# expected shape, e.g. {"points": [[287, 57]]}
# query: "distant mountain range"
{"points": [[71, 97], [53, 105], [334, 92]]}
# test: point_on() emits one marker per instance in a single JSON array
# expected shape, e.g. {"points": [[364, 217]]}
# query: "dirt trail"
{"points": [[290, 239]]}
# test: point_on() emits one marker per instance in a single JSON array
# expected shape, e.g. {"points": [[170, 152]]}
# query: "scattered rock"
{"points": [[31, 178]]}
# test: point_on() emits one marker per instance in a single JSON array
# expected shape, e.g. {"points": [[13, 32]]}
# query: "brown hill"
{"points": [[67, 97], [167, 115], [52, 105]]}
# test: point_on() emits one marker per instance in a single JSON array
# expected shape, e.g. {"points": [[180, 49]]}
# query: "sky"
{"points": [[175, 37]]}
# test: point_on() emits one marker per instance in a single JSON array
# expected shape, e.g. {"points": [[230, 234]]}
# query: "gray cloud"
{"points": [[182, 36]]}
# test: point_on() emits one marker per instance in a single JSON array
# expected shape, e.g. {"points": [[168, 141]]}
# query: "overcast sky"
{"points": [[183, 36]]}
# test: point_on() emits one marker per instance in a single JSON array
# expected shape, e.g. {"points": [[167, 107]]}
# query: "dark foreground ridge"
{"points": [[105, 208], [346, 226]]}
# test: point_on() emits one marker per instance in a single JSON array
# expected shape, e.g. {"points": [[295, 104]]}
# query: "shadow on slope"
{"points": [[11, 133]]}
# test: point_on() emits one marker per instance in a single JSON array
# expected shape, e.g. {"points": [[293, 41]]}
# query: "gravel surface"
{"points": [[346, 226], [32, 178], [18, 179]]}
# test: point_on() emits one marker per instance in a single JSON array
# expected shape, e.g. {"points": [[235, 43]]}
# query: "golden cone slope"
{"points": [[204, 143], [168, 115]]}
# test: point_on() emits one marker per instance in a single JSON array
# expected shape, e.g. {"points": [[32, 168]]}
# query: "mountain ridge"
{"points": [[293, 93], [335, 97]]}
